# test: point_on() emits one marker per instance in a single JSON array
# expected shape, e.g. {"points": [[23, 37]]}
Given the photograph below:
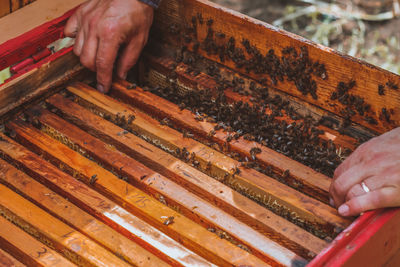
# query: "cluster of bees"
{"points": [[298, 140]]}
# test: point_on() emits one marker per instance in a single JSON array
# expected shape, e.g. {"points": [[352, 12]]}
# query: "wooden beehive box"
{"points": [[135, 178]]}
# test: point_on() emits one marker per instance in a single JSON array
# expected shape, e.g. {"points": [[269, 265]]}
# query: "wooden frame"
{"points": [[108, 202]]}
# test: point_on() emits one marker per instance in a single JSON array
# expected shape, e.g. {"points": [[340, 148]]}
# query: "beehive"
{"points": [[170, 168]]}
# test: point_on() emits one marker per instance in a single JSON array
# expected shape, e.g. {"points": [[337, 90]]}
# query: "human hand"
{"points": [[376, 165], [101, 27]]}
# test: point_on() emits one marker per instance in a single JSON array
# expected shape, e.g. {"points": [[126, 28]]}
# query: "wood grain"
{"points": [[304, 206], [202, 185], [165, 190], [75, 217], [98, 205], [37, 83], [26, 248], [76, 247], [182, 229]]}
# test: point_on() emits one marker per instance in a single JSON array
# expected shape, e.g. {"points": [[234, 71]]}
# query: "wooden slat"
{"points": [[190, 234], [16, 94], [72, 244], [26, 248], [6, 260], [162, 188], [4, 7], [75, 217], [98, 205], [265, 37], [269, 189], [224, 197], [300, 176], [204, 81]]}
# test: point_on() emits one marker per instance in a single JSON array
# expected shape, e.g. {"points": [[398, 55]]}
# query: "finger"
{"points": [[80, 39], [355, 191], [72, 27], [380, 198], [105, 58], [341, 185], [89, 51], [129, 57]]}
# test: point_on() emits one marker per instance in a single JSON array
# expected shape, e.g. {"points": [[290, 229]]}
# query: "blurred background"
{"points": [[366, 29]]}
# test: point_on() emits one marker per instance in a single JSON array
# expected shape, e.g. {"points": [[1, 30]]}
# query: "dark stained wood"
{"points": [[18, 93], [182, 229], [291, 236], [267, 188], [26, 248], [265, 37], [75, 217], [98, 205]]}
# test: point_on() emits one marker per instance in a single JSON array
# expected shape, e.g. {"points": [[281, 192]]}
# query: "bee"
{"points": [[286, 174], [93, 179], [131, 86], [255, 150], [169, 220], [211, 133], [381, 89], [392, 85]]}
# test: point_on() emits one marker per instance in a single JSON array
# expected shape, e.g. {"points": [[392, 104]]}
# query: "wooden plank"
{"points": [[300, 176], [33, 15], [264, 37], [305, 208], [75, 217], [38, 82], [4, 7], [182, 229], [26, 248], [98, 205], [57, 235], [166, 190], [271, 225], [6, 260], [204, 81]]}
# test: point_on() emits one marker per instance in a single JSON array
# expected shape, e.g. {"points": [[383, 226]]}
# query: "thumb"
{"points": [[379, 198]]}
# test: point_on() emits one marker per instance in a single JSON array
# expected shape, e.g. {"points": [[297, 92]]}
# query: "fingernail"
{"points": [[344, 210], [101, 88], [331, 202], [123, 76]]}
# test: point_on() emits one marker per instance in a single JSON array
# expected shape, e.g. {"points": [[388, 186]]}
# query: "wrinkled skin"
{"points": [[105, 27], [377, 164]]}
